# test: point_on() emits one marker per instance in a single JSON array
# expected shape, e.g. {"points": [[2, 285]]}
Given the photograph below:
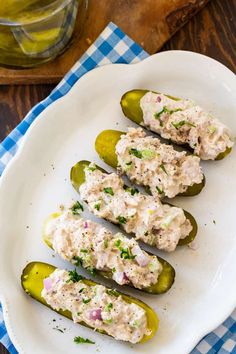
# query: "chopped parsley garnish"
{"points": [[84, 250], [76, 208], [126, 254], [160, 191], [136, 153], [97, 206], [79, 340], [105, 243], [79, 261], [113, 270], [108, 307], [80, 291], [165, 110], [74, 276], [157, 116], [122, 219], [132, 191], [86, 301], [117, 243], [162, 166], [178, 125], [79, 313], [129, 163], [108, 190]]}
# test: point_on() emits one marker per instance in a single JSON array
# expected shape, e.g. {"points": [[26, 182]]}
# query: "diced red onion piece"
{"points": [[95, 315], [121, 278], [141, 258], [47, 283], [85, 225], [125, 277], [158, 99]]}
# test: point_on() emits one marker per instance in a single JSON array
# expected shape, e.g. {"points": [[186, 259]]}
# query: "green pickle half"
{"points": [[32, 282]]}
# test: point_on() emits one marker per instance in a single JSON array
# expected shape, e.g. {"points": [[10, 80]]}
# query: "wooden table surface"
{"points": [[211, 32]]}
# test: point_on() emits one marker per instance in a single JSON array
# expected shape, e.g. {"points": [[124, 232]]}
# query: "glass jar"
{"points": [[35, 31]]}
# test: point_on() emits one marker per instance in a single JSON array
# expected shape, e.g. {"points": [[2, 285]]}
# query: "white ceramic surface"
{"points": [[37, 181]]}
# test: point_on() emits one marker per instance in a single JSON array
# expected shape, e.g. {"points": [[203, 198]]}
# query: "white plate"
{"points": [[37, 181]]}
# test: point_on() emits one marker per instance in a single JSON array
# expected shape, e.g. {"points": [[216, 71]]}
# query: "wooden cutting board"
{"points": [[149, 22]]}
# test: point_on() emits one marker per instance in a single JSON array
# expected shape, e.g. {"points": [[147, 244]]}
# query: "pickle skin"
{"points": [[32, 283], [130, 104], [165, 279], [105, 145], [78, 177]]}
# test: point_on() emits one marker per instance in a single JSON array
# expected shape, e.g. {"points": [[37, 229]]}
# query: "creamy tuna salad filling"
{"points": [[150, 221], [184, 122], [88, 244], [95, 305], [146, 161]]}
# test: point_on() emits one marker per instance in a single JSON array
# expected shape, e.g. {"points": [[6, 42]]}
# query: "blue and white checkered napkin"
{"points": [[112, 46]]}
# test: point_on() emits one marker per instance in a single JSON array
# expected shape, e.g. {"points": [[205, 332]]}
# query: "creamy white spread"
{"points": [[86, 243], [184, 122], [148, 162], [150, 221], [95, 306]]}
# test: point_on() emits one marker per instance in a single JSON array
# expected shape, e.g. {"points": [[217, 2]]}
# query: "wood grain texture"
{"points": [[212, 32], [149, 22]]}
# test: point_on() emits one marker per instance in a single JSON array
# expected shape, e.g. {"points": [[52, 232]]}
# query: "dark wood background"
{"points": [[211, 32]]}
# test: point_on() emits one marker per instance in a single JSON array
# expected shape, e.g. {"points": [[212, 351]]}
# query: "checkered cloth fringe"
{"points": [[112, 46]]}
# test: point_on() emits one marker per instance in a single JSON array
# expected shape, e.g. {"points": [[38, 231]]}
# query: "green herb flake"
{"points": [[160, 191], [157, 116], [132, 191], [78, 261], [86, 301], [136, 153], [162, 166], [74, 276], [126, 254], [113, 270], [80, 340], [84, 250], [97, 206], [214, 222], [81, 290], [129, 163], [108, 190], [122, 219], [179, 124], [117, 243], [76, 208], [108, 307], [79, 313]]}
